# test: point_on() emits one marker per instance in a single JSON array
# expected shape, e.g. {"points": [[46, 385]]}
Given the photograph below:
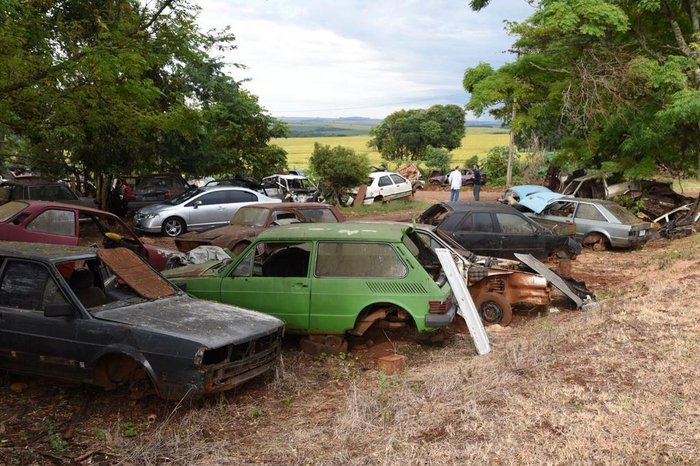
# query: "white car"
{"points": [[385, 186], [197, 209], [292, 188]]}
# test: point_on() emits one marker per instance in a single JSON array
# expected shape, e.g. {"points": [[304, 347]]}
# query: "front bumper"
{"points": [[148, 225]]}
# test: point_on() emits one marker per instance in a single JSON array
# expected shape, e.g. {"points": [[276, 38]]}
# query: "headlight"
{"points": [[149, 215]]}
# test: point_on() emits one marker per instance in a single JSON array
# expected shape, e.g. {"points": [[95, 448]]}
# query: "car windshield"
{"points": [[301, 183], [318, 215], [622, 214], [9, 210], [186, 196], [250, 216]]}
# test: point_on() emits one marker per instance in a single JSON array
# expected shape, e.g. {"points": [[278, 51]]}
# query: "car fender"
{"points": [[370, 307], [600, 231], [127, 351]]}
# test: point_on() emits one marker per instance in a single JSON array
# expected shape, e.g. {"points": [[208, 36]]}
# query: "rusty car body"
{"points": [[73, 225], [103, 316], [251, 220]]}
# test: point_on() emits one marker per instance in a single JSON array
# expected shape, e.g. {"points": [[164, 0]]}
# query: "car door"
{"points": [[55, 226], [519, 235], [558, 216], [273, 278], [476, 232], [30, 341], [208, 209], [401, 185], [236, 200], [387, 190]]}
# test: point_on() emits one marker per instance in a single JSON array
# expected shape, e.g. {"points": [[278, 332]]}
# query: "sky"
{"points": [[368, 58]]}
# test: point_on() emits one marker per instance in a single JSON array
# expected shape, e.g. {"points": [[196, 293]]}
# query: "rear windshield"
{"points": [[252, 217], [9, 210], [622, 214], [318, 215]]}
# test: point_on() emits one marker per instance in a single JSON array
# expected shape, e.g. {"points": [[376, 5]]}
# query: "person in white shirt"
{"points": [[455, 180]]}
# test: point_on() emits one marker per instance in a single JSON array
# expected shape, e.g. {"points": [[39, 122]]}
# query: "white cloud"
{"points": [[362, 58]]}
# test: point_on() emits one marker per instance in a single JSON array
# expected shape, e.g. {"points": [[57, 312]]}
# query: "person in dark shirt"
{"points": [[477, 182]]}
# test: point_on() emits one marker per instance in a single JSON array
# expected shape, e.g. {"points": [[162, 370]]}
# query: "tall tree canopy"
{"points": [[117, 86], [406, 134], [614, 83]]}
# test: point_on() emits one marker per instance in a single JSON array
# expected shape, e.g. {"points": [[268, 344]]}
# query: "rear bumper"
{"points": [[441, 320]]}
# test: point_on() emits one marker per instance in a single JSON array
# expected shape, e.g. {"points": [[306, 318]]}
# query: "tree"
{"points": [[339, 169], [124, 86], [614, 84], [406, 134]]}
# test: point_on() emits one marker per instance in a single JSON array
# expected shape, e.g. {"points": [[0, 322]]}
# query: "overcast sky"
{"points": [[340, 58]]}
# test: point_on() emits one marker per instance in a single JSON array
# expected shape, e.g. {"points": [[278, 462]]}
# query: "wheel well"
{"points": [[115, 369], [381, 311], [597, 232]]}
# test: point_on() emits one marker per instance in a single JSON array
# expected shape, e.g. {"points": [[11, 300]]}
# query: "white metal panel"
{"points": [[466, 307]]}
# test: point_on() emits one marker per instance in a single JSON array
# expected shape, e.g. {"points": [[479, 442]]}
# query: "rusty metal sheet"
{"points": [[360, 198], [554, 279], [141, 278]]}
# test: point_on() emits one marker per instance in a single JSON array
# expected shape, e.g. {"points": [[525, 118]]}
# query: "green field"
{"points": [[477, 141]]}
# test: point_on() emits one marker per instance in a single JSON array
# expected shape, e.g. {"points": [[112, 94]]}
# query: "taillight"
{"points": [[439, 307]]}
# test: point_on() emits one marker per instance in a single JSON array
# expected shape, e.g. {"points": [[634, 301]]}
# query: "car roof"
{"points": [[378, 174], [45, 251], [32, 205], [287, 177], [477, 205], [335, 231], [32, 182], [287, 205]]}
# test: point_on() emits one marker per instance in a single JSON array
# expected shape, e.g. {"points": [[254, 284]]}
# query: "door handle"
{"points": [[303, 285]]}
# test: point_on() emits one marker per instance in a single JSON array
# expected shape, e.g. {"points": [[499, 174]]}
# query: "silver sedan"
{"points": [[195, 210]]}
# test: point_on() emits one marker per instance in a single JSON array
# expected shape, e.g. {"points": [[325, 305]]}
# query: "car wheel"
{"points": [[174, 226], [378, 199], [494, 308], [596, 242]]}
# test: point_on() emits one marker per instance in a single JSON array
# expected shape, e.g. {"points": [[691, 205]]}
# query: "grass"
{"points": [[399, 205], [478, 141]]}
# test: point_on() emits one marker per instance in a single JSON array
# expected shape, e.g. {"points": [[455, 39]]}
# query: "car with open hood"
{"points": [[597, 223], [74, 225], [331, 278], [495, 229], [103, 316], [251, 220], [197, 209]]}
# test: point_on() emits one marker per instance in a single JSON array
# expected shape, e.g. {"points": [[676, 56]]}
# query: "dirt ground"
{"points": [[617, 384]]}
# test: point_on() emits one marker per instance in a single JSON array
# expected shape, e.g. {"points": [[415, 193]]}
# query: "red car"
{"points": [[73, 225]]}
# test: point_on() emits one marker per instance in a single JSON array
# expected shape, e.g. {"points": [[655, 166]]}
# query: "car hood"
{"points": [[205, 322], [527, 189], [208, 268], [154, 208], [536, 202]]}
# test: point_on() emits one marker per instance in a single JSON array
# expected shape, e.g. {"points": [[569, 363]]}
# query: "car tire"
{"points": [[494, 308], [379, 199], [174, 226], [596, 242]]}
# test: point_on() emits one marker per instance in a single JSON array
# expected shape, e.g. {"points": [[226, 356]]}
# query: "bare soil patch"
{"points": [[618, 384]]}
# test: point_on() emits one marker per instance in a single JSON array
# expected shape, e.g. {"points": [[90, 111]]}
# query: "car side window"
{"points": [[513, 224], [358, 260], [217, 197], [477, 221], [275, 260], [54, 221], [28, 286], [385, 181], [241, 196], [398, 179], [589, 212]]}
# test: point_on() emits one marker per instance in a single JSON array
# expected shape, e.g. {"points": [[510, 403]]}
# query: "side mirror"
{"points": [[196, 204], [58, 310]]}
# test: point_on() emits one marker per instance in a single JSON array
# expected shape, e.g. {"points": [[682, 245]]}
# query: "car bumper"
{"points": [[441, 320], [148, 225]]}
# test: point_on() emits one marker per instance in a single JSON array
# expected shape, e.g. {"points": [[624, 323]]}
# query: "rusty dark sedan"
{"points": [[105, 317], [251, 220]]}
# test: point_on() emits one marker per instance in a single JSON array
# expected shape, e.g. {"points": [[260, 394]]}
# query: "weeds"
{"points": [[129, 429], [55, 441]]}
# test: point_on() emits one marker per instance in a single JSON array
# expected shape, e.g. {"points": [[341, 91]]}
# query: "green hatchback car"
{"points": [[331, 279]]}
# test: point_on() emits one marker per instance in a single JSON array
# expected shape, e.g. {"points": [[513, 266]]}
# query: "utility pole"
{"points": [[511, 141]]}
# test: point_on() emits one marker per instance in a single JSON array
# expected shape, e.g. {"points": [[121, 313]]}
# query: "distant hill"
{"points": [[347, 126]]}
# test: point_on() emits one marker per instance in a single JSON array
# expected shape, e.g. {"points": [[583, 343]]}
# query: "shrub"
{"points": [[437, 159], [496, 163], [339, 169]]}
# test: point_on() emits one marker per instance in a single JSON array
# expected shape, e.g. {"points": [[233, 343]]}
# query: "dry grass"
{"points": [[614, 385]]}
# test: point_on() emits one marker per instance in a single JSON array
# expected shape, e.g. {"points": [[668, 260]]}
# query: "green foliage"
{"points": [[437, 159], [406, 134], [471, 161], [339, 169], [496, 163], [55, 441], [129, 429], [114, 87]]}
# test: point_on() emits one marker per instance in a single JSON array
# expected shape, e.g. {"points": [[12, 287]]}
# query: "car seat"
{"points": [[82, 282]]}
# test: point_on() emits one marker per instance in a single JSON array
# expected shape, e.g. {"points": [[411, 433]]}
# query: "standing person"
{"points": [[455, 180], [477, 182]]}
